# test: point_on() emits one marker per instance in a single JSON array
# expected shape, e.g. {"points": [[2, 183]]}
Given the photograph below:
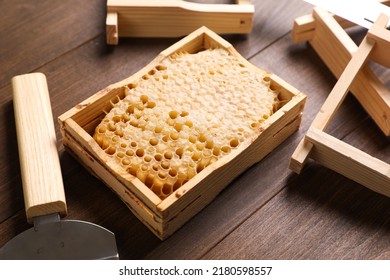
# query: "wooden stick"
{"points": [[340, 90], [349, 161], [43, 188]]}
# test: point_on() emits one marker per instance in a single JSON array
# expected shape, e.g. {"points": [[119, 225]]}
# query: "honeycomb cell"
{"points": [[234, 142]]}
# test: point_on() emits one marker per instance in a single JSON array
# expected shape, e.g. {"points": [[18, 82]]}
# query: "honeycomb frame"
{"points": [[164, 216]]}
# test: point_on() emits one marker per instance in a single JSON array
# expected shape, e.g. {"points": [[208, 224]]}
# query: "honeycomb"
{"points": [[183, 115]]}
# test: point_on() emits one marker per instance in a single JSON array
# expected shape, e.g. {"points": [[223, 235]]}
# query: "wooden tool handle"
{"points": [[39, 162]]}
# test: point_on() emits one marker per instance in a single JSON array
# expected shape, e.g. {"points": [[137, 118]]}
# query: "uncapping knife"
{"points": [[43, 190]]}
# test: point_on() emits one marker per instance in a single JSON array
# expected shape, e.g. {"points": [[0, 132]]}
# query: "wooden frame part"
{"points": [[174, 18], [334, 153], [327, 36]]}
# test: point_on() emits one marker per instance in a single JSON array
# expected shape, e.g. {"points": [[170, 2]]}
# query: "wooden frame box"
{"points": [[163, 217]]}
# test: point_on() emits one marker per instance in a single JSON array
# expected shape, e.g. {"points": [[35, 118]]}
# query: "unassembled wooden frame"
{"points": [[174, 18], [349, 63]]}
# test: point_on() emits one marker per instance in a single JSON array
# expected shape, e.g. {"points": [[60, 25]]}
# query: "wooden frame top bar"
{"points": [[174, 18]]}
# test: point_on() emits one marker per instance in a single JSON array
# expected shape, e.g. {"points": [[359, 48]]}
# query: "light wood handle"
{"points": [[39, 161]]}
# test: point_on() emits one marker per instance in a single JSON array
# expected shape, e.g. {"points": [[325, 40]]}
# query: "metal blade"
{"points": [[361, 12], [62, 240]]}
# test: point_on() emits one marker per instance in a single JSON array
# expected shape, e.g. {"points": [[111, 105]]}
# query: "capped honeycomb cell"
{"points": [[183, 115]]}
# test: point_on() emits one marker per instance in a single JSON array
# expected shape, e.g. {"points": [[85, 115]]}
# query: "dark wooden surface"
{"points": [[267, 213]]}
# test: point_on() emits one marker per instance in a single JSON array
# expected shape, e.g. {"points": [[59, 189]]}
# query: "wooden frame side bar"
{"points": [[349, 161]]}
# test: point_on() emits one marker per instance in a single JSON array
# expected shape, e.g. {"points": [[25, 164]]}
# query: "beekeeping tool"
{"points": [[44, 196], [326, 149], [174, 18]]}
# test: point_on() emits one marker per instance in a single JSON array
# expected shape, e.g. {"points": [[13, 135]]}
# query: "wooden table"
{"points": [[267, 213]]}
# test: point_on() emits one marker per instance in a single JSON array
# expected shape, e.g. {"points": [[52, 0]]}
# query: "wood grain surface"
{"points": [[267, 213]]}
